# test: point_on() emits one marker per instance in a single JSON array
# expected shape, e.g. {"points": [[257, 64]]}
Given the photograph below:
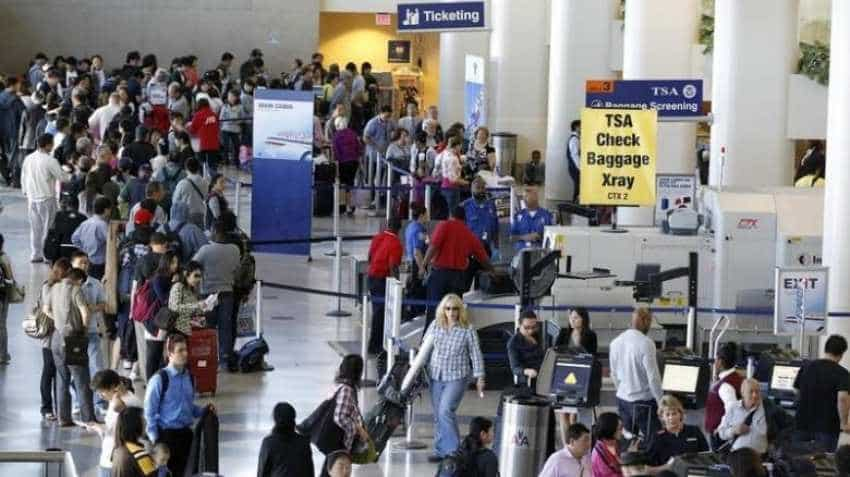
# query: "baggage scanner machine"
{"points": [[745, 234]]}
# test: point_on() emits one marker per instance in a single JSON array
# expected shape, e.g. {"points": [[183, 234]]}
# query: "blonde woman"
{"points": [[676, 438], [455, 358]]}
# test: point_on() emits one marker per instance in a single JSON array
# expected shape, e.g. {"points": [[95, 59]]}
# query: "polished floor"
{"points": [[298, 333]]}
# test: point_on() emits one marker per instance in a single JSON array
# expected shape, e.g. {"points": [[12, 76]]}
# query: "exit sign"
{"points": [[383, 19]]}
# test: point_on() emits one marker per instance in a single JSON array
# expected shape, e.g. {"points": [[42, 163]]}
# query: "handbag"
{"points": [[324, 433], [77, 350], [38, 325], [364, 452], [165, 319]]}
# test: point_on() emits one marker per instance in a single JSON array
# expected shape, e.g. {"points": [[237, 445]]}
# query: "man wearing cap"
{"points": [[39, 175]]}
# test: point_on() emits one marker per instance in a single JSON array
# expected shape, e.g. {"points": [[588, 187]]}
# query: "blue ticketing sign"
{"points": [[671, 98], [440, 16]]}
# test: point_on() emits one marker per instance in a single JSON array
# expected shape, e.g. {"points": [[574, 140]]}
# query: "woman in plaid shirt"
{"points": [[347, 412], [455, 358]]}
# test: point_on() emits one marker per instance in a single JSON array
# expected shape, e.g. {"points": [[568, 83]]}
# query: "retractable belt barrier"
{"points": [[329, 238]]}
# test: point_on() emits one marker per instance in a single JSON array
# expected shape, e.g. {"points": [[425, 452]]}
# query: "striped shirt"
{"points": [[456, 353]]}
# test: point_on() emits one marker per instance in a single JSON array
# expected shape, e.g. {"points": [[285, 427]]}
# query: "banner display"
{"points": [[441, 16], [800, 291], [673, 191], [618, 154], [475, 95], [671, 98], [282, 189], [393, 296], [283, 124]]}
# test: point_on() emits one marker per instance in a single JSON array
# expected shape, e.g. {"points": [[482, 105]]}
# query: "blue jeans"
{"points": [[65, 375], [95, 364], [827, 441], [445, 399], [452, 196], [223, 319], [637, 415]]}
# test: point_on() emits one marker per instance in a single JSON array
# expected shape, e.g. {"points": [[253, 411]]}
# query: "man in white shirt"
{"points": [[102, 116], [634, 370], [39, 175], [745, 423], [574, 156], [574, 459]]}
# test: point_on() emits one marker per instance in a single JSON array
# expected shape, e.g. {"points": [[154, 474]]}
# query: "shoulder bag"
{"points": [[320, 427]]}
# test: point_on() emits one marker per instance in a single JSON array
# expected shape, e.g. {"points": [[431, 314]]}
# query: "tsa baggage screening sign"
{"points": [[618, 154]]}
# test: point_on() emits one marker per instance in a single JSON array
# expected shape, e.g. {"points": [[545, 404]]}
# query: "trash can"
{"points": [[523, 437], [505, 145]]}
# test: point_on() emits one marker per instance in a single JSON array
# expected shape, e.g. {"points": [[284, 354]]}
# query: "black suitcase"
{"points": [[382, 421], [323, 202], [494, 346]]}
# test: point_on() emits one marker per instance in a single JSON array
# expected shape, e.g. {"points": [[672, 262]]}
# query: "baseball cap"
{"points": [[143, 217]]}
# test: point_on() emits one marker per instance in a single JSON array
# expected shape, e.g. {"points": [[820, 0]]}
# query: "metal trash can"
{"points": [[505, 145], [524, 431]]}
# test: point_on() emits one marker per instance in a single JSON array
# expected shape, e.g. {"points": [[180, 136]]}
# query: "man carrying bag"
{"points": [[67, 306]]}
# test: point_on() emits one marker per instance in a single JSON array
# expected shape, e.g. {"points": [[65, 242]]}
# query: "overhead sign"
{"points": [[800, 292], [671, 98], [449, 16], [618, 154], [673, 191]]}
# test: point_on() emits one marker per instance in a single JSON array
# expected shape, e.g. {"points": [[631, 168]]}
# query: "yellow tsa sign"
{"points": [[618, 154]]}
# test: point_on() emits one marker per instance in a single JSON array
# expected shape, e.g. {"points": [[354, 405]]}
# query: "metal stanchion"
{"points": [[339, 312], [409, 443], [410, 195], [389, 200], [337, 196], [366, 320], [513, 206], [428, 201], [236, 200], [376, 182]]}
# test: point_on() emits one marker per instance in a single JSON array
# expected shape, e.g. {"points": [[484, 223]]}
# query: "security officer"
{"points": [[481, 216], [527, 229], [415, 246], [676, 438]]}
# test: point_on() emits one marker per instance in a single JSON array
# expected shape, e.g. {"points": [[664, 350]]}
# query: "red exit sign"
{"points": [[383, 19]]}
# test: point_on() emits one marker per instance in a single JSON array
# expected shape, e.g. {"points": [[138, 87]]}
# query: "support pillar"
{"points": [[658, 44], [580, 44], [836, 224], [453, 50], [755, 52]]}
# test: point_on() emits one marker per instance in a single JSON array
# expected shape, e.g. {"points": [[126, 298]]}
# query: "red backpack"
{"points": [[145, 303]]}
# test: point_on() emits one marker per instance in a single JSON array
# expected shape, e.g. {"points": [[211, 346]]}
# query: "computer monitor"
{"points": [[783, 376], [570, 380], [680, 378]]}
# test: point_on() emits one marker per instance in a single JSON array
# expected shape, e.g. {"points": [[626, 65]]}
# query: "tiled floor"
{"points": [[298, 334]]}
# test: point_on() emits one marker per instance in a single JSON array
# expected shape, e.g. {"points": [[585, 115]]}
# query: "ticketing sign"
{"points": [[671, 98], [444, 16], [618, 156]]}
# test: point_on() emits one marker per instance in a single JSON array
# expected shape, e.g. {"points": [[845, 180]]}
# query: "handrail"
{"points": [[65, 458]]}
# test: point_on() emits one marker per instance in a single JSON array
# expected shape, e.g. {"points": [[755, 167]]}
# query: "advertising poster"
{"points": [[282, 189], [673, 191], [392, 311], [618, 156], [283, 125], [799, 291], [475, 95]]}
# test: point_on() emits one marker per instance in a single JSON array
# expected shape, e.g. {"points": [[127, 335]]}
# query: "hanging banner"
{"points": [[673, 191], [393, 296], [475, 95], [442, 16], [282, 189], [800, 291], [618, 154], [671, 98]]}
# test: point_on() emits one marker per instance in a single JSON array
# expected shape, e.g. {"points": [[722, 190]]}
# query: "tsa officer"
{"points": [[527, 229], [481, 216]]}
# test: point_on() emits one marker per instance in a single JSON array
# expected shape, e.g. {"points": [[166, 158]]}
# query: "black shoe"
{"points": [[434, 459]]}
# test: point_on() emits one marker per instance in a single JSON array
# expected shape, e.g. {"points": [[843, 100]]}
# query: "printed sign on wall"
{"points": [[800, 291], [618, 154]]}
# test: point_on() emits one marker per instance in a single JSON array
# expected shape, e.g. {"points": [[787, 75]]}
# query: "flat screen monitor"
{"points": [[570, 379], [680, 378], [783, 376]]}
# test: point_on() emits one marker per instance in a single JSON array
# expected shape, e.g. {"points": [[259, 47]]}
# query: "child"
{"points": [[231, 127], [161, 453]]}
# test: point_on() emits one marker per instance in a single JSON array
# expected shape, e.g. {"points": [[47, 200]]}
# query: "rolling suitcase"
{"points": [[203, 359]]}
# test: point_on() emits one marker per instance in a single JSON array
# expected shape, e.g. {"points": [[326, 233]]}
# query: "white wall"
{"points": [[359, 6], [807, 108], [167, 28]]}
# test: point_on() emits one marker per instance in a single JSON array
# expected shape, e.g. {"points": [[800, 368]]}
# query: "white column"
{"points": [[453, 50], [579, 50], [836, 224], [518, 71], [755, 51], [658, 44]]}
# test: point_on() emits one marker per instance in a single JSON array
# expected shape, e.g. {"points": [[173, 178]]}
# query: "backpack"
{"points": [[250, 356], [164, 380], [145, 303], [458, 464], [246, 274], [130, 252], [173, 239]]}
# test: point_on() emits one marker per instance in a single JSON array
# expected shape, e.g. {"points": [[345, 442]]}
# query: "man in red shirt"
{"points": [[385, 253], [452, 244], [205, 126]]}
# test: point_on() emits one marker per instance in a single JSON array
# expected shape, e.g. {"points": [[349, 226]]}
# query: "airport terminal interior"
{"points": [[554, 238]]}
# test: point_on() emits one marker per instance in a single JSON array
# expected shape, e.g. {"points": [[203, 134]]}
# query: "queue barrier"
{"points": [[56, 462]]}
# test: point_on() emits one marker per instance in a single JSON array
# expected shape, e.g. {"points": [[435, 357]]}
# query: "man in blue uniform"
{"points": [[527, 229], [481, 216], [415, 246]]}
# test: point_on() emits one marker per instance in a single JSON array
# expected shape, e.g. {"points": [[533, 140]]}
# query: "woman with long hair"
{"points": [[578, 334], [285, 453], [346, 411], [130, 459], [455, 359], [184, 298], [605, 459], [476, 446], [452, 171]]}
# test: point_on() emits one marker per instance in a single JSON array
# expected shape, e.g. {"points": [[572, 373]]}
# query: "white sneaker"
{"points": [[127, 364]]}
